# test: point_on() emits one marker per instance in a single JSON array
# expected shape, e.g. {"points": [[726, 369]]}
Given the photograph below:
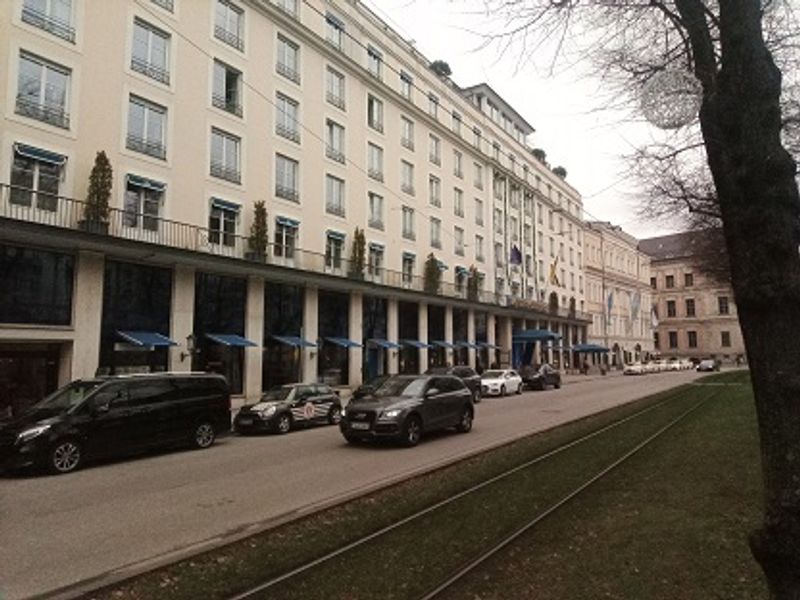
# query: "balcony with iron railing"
{"points": [[137, 144], [232, 38], [166, 4], [227, 104], [335, 99], [407, 143], [46, 112], [57, 27], [334, 208], [290, 73], [287, 193], [289, 132], [334, 154], [61, 213], [150, 70], [375, 174], [226, 172]]}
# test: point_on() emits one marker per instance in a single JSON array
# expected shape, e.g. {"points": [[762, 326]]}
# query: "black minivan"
{"points": [[108, 416]]}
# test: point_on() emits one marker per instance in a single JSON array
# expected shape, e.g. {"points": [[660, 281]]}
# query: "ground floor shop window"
{"points": [[283, 328], [333, 363], [28, 373]]}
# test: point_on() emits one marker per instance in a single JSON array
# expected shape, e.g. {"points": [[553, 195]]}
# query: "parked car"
{"points": [[686, 363], [499, 382], [673, 364], [118, 415], [634, 369], [466, 374], [539, 378], [708, 365], [406, 406], [368, 388], [285, 407]]}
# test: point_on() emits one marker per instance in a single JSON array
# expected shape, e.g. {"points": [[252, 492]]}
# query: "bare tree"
{"points": [[719, 62]]}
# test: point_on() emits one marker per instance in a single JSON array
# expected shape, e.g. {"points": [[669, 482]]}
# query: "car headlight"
{"points": [[391, 414], [267, 412], [31, 433]]}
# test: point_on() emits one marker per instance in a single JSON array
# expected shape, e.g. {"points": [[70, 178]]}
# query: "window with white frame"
{"points": [[222, 220], [375, 260], [513, 225], [540, 242], [143, 199], [408, 267], [498, 220], [374, 161], [168, 5], [53, 16], [229, 24], [334, 248], [479, 248], [433, 105], [435, 150], [458, 234], [334, 196], [478, 176], [539, 213], [334, 88], [375, 62], [334, 31], [334, 141], [406, 84], [35, 174], [407, 132], [456, 123], [286, 178], [287, 118], [150, 51], [540, 265], [407, 177], [458, 166], [290, 7], [288, 59], [572, 257], [42, 91], [479, 212], [227, 92], [527, 234], [375, 113], [408, 223], [147, 124], [529, 264], [434, 191], [436, 232], [375, 210], [498, 254], [477, 138], [552, 248], [458, 202], [225, 156], [286, 231]]}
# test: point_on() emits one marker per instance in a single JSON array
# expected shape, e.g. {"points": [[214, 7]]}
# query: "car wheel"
{"points": [[351, 439], [65, 457], [203, 435], [465, 421], [557, 384], [335, 415], [519, 389], [412, 431], [476, 396], [284, 423], [502, 391]]}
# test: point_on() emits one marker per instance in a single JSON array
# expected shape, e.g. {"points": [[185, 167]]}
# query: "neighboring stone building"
{"points": [[696, 315], [617, 293]]}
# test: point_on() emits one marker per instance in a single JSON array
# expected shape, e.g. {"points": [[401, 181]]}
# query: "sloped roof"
{"points": [[674, 246]]}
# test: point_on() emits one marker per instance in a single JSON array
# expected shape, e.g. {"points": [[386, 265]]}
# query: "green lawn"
{"points": [[670, 524]]}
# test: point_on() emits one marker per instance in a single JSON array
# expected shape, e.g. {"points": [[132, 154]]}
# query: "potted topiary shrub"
{"points": [[95, 211], [432, 275], [358, 255], [258, 240]]}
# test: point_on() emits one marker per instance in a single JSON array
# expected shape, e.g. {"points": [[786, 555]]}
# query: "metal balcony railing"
{"points": [[227, 104], [333, 208], [57, 27], [289, 72], [287, 193], [335, 100], [287, 131], [154, 149], [334, 154], [42, 111], [375, 174], [407, 143], [150, 70], [232, 38], [232, 174], [165, 4]]}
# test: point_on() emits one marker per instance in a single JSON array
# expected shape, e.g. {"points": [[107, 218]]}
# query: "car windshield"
{"points": [[69, 396], [402, 386], [492, 374], [276, 394]]}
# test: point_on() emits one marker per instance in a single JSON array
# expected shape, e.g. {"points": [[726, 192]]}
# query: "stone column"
{"points": [[448, 335], [181, 322], [254, 331], [310, 332], [422, 328], [87, 306], [356, 362], [491, 338], [506, 336], [393, 334], [471, 337]]}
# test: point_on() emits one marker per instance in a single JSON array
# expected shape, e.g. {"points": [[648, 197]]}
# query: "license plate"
{"points": [[359, 426], [246, 421]]}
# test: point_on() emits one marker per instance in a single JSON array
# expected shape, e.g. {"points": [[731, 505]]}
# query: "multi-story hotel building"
{"points": [[696, 314], [618, 294], [205, 108]]}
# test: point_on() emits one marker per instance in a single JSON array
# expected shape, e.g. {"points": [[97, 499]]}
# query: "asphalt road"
{"points": [[118, 518]]}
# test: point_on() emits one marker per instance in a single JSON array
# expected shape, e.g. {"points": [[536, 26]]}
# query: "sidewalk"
{"points": [[593, 376]]}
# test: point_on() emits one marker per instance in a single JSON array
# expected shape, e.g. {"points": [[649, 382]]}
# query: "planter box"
{"points": [[98, 227]]}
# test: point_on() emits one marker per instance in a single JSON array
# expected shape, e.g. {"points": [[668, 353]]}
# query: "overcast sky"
{"points": [[564, 107]]}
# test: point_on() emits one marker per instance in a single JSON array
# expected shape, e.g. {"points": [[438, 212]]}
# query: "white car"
{"points": [[499, 382], [686, 364], [673, 364], [633, 369]]}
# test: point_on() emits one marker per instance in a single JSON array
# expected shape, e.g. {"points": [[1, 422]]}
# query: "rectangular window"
{"points": [[374, 113], [561, 250], [286, 178], [334, 31], [407, 133], [375, 260], [334, 248], [407, 177], [540, 213], [227, 94], [334, 141], [375, 62], [477, 138], [514, 227], [458, 202], [689, 307], [436, 233], [724, 307], [285, 237], [692, 338], [143, 200], [498, 254], [478, 176], [671, 312], [168, 5], [287, 118], [406, 84], [35, 175], [147, 124], [540, 242], [289, 7], [479, 248], [458, 234], [222, 223], [408, 268], [541, 270], [670, 281], [225, 156], [478, 212], [572, 257], [408, 223], [435, 150], [288, 64], [229, 24], [725, 339], [688, 279], [552, 248], [42, 91], [53, 16], [150, 51], [334, 196], [433, 106], [656, 344], [496, 151], [653, 282], [527, 235], [375, 162], [673, 339], [456, 123], [458, 168], [434, 191], [334, 88], [375, 211], [498, 220]]}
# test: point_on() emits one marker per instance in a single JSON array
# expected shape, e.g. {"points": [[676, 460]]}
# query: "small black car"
{"points": [[466, 374], [368, 388], [284, 407], [405, 406], [539, 379], [107, 416]]}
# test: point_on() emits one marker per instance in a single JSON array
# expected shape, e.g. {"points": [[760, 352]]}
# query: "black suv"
{"points": [[117, 415], [466, 374], [284, 407], [405, 406], [539, 378]]}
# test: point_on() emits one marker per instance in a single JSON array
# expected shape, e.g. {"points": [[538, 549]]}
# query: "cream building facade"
{"points": [[696, 315], [618, 294]]}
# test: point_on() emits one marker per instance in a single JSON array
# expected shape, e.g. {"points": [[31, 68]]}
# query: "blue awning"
{"points": [[230, 339], [287, 222], [462, 270], [407, 254], [376, 246], [443, 344], [343, 342], [146, 338], [291, 340], [383, 343], [414, 344], [467, 345], [442, 265], [41, 155], [534, 335], [144, 182], [589, 348], [225, 205], [336, 235], [488, 345]]}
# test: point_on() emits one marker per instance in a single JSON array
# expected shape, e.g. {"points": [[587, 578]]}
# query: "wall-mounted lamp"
{"points": [[191, 347]]}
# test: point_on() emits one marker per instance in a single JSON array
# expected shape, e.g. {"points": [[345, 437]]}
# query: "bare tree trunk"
{"points": [[755, 181]]}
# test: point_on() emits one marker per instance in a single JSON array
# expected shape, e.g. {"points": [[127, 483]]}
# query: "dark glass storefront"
{"points": [[219, 309], [28, 372], [461, 353], [375, 357], [482, 354], [135, 298], [283, 316], [437, 355], [36, 286], [408, 329], [334, 318]]}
